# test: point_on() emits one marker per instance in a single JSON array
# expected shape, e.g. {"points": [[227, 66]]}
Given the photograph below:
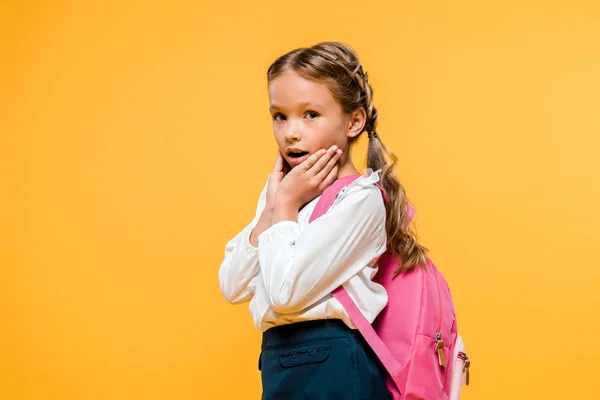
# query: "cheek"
{"points": [[279, 139], [277, 133], [331, 134]]}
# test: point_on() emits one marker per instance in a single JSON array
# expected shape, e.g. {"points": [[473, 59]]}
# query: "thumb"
{"points": [[278, 163], [286, 167]]}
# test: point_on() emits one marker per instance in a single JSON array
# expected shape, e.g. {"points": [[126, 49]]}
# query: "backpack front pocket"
{"points": [[426, 376]]}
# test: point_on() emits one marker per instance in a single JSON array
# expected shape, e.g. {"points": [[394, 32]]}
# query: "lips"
{"points": [[296, 156], [293, 161]]}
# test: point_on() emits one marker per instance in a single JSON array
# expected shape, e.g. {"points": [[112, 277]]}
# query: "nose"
{"points": [[292, 133]]}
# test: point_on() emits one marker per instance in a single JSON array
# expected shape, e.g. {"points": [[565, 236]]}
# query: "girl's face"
{"points": [[306, 118]]}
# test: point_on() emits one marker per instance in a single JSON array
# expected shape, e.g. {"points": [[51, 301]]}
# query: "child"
{"points": [[320, 102]]}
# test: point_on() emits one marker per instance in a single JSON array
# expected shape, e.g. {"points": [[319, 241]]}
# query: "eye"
{"points": [[311, 115], [278, 117]]}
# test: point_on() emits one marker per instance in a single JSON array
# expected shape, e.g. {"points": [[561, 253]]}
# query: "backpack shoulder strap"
{"points": [[330, 194], [383, 352], [366, 329]]}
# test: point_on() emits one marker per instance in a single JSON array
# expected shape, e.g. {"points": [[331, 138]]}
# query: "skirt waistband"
{"points": [[298, 332]]}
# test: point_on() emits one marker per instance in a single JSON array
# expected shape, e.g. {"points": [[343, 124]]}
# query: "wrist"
{"points": [[285, 210], [284, 202], [269, 207]]}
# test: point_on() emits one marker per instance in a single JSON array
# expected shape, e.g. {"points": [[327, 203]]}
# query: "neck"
{"points": [[346, 168]]}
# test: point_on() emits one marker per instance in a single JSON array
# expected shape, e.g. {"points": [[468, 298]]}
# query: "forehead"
{"points": [[290, 89]]}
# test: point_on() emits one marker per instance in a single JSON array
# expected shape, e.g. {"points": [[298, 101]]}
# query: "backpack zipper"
{"points": [[466, 365], [439, 349]]}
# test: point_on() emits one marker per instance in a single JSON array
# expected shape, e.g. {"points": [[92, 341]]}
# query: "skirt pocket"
{"points": [[312, 353]]}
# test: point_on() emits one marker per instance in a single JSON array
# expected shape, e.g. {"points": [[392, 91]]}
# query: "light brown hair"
{"points": [[338, 66]]}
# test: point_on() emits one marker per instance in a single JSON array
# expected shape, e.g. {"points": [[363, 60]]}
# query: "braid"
{"points": [[372, 115]]}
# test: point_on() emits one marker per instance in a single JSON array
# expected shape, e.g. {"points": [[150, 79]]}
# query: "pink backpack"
{"points": [[415, 336]]}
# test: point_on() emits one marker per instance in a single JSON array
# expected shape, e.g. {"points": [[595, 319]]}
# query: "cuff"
{"points": [[249, 250], [280, 230]]}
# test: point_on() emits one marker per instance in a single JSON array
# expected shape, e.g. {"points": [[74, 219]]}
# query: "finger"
{"points": [[321, 175], [322, 161], [310, 161], [331, 177], [278, 163], [286, 167]]}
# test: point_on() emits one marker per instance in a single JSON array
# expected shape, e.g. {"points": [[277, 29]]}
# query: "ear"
{"points": [[356, 122]]}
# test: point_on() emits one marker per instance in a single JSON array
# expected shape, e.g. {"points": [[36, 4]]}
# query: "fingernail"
{"points": [[335, 147], [339, 152]]}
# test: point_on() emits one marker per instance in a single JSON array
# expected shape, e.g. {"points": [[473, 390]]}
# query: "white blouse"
{"points": [[290, 276]]}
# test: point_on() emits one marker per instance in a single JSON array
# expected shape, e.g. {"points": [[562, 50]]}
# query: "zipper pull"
{"points": [[439, 348], [467, 364]]}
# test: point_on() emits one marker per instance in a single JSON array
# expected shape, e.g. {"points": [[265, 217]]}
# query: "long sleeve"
{"points": [[240, 265], [301, 266]]}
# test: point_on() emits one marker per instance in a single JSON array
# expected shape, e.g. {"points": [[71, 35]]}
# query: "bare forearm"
{"points": [[264, 222]]}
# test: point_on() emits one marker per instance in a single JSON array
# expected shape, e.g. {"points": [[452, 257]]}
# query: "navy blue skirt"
{"points": [[319, 360]]}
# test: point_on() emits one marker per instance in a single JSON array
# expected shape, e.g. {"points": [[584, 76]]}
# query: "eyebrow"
{"points": [[306, 104]]}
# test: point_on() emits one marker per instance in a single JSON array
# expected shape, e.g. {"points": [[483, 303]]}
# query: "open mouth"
{"points": [[296, 157], [297, 154]]}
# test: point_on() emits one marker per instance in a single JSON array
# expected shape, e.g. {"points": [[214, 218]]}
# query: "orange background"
{"points": [[136, 139]]}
